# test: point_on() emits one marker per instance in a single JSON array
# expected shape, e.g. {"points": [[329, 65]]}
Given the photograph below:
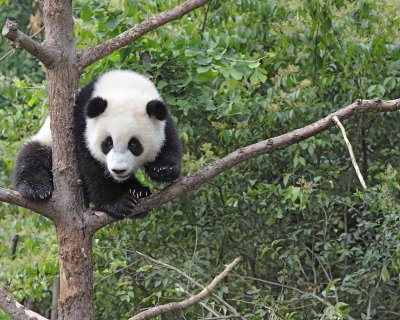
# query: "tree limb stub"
{"points": [[156, 311], [16, 310], [44, 54], [94, 54], [189, 183]]}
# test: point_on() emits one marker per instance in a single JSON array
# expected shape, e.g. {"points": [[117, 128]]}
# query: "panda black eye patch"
{"points": [[135, 146], [107, 145]]}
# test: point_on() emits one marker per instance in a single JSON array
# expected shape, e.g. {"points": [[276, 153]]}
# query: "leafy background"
{"points": [[314, 244]]}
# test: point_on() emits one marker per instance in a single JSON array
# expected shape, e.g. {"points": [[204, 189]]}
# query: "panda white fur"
{"points": [[121, 125]]}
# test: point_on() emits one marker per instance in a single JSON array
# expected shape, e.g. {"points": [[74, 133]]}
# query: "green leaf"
{"points": [[331, 285], [385, 275]]}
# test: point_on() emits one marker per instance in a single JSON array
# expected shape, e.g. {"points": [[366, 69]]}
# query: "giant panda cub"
{"points": [[121, 124]]}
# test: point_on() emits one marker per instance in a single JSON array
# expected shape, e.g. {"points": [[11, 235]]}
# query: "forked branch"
{"points": [[156, 311], [44, 54], [92, 55], [16, 310], [192, 182]]}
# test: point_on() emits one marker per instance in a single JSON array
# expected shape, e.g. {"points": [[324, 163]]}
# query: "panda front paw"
{"points": [[140, 193], [120, 207], [39, 191], [164, 172]]}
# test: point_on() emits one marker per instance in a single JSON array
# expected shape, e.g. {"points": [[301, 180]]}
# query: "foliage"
{"points": [[234, 75]]}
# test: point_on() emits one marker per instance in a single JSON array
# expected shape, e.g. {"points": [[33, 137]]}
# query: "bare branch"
{"points": [[353, 158], [94, 54], [189, 183], [43, 53], [13, 197], [156, 311], [183, 274], [16, 310]]}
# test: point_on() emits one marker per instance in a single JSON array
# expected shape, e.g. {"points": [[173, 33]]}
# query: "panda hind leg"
{"points": [[32, 175]]}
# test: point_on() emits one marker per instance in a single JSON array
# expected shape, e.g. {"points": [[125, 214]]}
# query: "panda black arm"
{"points": [[167, 165]]}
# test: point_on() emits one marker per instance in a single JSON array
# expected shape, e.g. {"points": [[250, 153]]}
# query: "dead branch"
{"points": [[187, 277], [43, 53], [94, 54], [156, 311], [189, 183], [16, 310], [353, 158]]}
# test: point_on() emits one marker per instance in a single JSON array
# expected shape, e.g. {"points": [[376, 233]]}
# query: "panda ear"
{"points": [[157, 109], [95, 107]]}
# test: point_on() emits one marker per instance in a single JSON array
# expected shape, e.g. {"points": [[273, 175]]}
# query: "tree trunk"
{"points": [[75, 245], [76, 269]]}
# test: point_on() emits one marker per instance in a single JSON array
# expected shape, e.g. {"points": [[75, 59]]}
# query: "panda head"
{"points": [[125, 121]]}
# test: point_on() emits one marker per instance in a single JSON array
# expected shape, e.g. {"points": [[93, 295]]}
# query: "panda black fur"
{"points": [[121, 124]]}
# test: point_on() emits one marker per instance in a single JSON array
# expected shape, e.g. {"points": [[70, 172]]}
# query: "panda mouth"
{"points": [[121, 177]]}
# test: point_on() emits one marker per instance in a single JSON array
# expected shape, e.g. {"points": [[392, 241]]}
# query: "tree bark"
{"points": [[54, 300], [76, 269]]}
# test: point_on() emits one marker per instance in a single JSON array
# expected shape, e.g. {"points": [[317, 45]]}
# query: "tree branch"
{"points": [[183, 274], [92, 55], [43, 53], [189, 183], [16, 310], [13, 197], [156, 311]]}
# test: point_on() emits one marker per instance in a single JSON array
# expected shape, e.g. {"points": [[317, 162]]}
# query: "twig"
{"points": [[205, 19], [307, 293], [192, 182], [353, 159], [45, 54], [16, 310], [183, 274], [156, 311], [102, 50]]}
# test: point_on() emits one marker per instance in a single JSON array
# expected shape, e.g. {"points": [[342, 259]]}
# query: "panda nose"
{"points": [[118, 171]]}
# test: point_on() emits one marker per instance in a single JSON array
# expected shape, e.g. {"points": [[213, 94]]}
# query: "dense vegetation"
{"points": [[234, 75]]}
